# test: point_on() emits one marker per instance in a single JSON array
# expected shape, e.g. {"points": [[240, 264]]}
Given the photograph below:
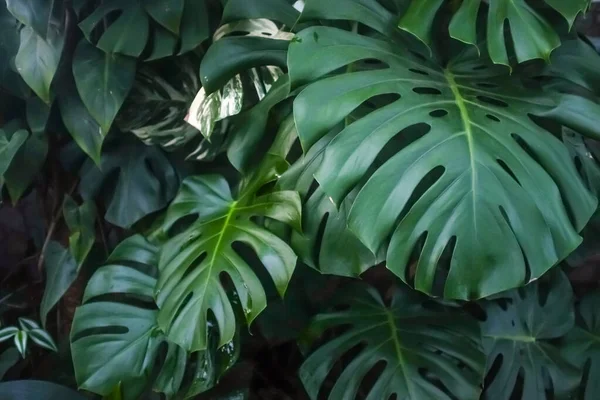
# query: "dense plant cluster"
{"points": [[403, 191]]}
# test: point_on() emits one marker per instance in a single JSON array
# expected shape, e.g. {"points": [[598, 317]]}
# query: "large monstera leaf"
{"points": [[521, 334], [426, 351], [115, 338], [485, 181], [193, 262], [583, 345], [533, 36]]}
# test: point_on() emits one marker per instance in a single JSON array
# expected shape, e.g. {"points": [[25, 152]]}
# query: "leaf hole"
{"points": [[493, 117], [443, 267], [438, 113], [427, 90], [337, 369], [480, 67], [507, 169], [493, 372], [100, 330], [418, 71], [418, 55], [492, 101], [370, 378], [487, 85]]}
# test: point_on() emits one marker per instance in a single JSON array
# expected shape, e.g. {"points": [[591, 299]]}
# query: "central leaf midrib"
{"points": [[467, 126], [398, 349]]}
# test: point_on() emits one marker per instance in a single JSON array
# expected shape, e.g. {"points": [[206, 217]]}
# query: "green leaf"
{"points": [[33, 13], [28, 324], [42, 339], [520, 334], [127, 34], [192, 262], [61, 272], [9, 147], [115, 340], [409, 337], [8, 359], [10, 80], [84, 129], [132, 31], [144, 181], [582, 346], [231, 55], [326, 243], [81, 223], [31, 157], [20, 339], [533, 36], [481, 180], [35, 390], [275, 10], [7, 333], [167, 13], [103, 81], [194, 25], [37, 59]]}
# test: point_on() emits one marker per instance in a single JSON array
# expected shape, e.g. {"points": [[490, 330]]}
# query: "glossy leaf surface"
{"points": [[484, 180], [192, 262]]}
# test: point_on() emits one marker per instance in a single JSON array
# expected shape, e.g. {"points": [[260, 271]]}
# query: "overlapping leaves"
{"points": [[484, 182], [116, 339], [533, 35], [149, 28]]}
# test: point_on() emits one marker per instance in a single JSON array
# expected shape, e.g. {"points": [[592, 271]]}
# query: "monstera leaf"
{"points": [[520, 336], [583, 346], [194, 261], [166, 28], [484, 181], [533, 36], [419, 350], [141, 179], [115, 338]]}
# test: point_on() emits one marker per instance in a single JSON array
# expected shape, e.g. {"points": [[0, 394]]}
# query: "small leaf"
{"points": [[61, 272], [27, 324], [20, 340], [37, 60], [9, 147], [7, 333], [103, 81], [81, 222], [43, 339]]}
